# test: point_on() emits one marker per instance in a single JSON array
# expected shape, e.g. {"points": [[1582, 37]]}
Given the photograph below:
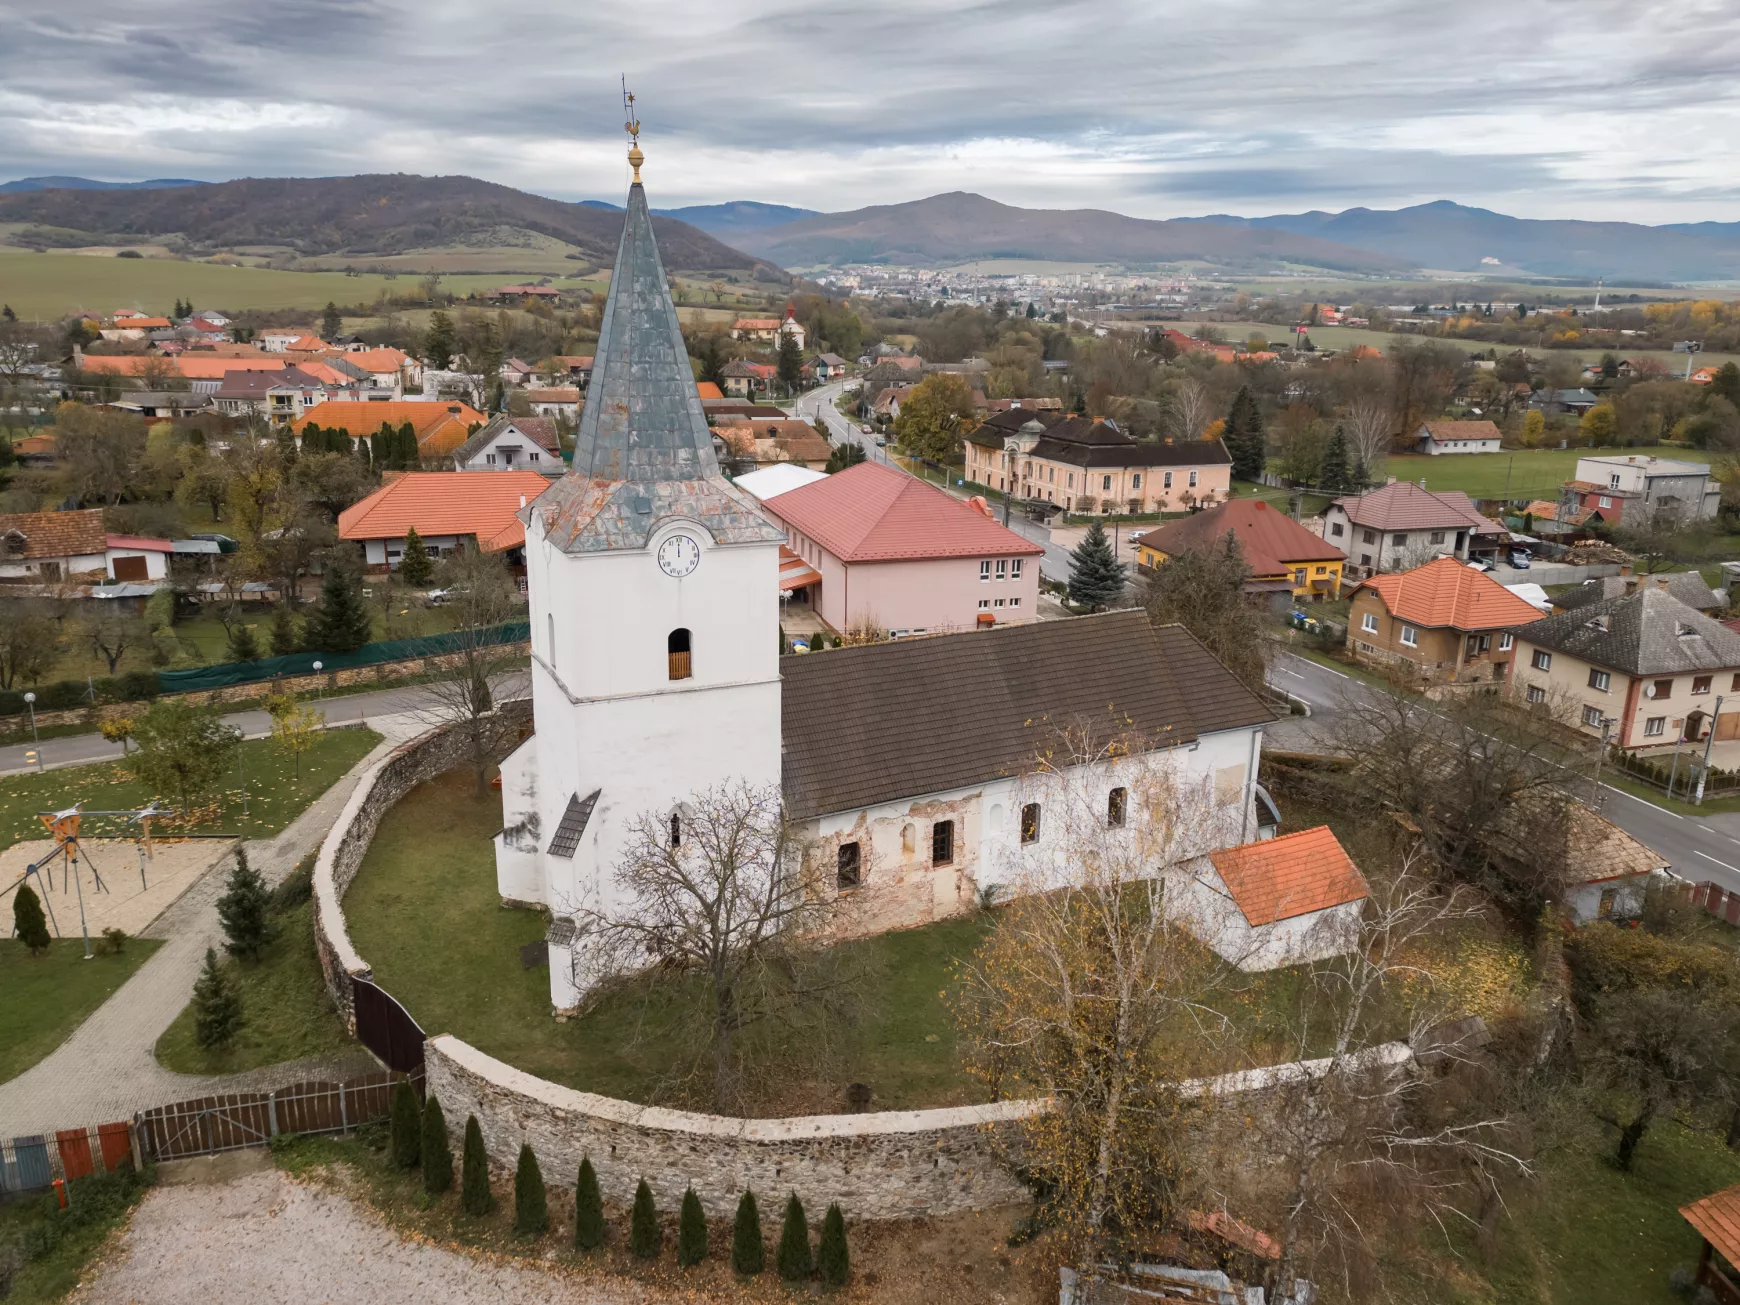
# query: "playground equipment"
{"points": [[64, 828]]}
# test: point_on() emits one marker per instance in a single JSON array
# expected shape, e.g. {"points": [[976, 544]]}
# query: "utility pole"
{"points": [[1709, 742], [1607, 724]]}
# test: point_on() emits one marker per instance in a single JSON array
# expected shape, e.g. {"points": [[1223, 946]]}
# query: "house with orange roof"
{"points": [[1444, 622], [1276, 902], [448, 509], [290, 339], [1283, 556], [440, 428]]}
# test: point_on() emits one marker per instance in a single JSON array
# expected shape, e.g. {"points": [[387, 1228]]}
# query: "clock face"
{"points": [[679, 556]]}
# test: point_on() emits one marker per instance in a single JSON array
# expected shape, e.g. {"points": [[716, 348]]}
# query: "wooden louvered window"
{"points": [[677, 651]]}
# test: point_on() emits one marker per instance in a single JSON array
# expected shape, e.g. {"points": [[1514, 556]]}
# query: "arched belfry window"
{"points": [[677, 649], [676, 829]]}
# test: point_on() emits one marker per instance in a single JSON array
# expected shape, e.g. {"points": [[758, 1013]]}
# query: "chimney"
{"points": [[522, 500]]}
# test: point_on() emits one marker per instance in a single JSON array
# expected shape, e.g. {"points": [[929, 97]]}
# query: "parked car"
{"points": [[865, 430], [882, 441], [1520, 558], [441, 597]]}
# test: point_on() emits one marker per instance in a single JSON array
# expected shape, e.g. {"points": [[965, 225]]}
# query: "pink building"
{"points": [[896, 554]]}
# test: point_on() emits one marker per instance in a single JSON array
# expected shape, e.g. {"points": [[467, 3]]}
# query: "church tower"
{"points": [[654, 593]]}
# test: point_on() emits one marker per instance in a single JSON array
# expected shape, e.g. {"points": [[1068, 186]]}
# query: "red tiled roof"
{"points": [[876, 513], [140, 544], [57, 534], [708, 390], [1289, 876], [378, 361], [1271, 539], [1445, 592], [440, 427], [196, 366], [480, 503], [1462, 430], [1717, 1219]]}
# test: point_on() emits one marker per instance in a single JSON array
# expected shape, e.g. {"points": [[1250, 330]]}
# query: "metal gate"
{"points": [[232, 1121], [386, 1028]]}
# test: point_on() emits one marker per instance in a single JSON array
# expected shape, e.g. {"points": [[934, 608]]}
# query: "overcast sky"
{"points": [[1577, 108]]}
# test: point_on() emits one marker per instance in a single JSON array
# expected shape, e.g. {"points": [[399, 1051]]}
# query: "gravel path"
{"points": [[107, 1070], [264, 1237]]}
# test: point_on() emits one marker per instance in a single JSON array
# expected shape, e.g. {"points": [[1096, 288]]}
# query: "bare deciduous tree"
{"points": [[28, 643], [1191, 405]]}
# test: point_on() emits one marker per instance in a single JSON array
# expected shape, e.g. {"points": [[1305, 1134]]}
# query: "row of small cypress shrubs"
{"points": [[418, 1136]]}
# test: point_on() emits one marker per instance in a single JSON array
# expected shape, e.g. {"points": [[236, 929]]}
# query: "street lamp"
{"points": [[30, 701], [1607, 724], [317, 670]]}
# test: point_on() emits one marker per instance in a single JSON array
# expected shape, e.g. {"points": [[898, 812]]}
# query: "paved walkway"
{"points": [[106, 1070]]}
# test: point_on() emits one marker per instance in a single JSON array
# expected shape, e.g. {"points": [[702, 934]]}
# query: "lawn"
{"points": [[425, 914], [287, 1011], [275, 794], [1514, 474], [54, 1246], [1311, 505], [48, 996]]}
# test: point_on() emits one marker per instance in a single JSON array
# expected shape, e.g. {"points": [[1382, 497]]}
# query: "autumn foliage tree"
{"points": [[935, 416]]}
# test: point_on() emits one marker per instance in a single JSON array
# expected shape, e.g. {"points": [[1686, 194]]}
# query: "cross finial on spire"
{"points": [[631, 125]]}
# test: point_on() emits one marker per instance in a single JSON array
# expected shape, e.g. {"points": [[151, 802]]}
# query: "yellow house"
{"points": [[1278, 550]]}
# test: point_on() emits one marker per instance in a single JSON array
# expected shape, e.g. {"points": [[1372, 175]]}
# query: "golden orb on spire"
{"points": [[632, 127]]}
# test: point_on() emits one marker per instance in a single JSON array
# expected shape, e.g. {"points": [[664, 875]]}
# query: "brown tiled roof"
{"points": [[1405, 506], [57, 534], [1281, 878], [895, 720], [1462, 430], [1717, 1219], [1271, 540]]}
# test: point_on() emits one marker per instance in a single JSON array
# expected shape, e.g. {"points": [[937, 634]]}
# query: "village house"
{"points": [[1687, 586], [1437, 438], [1442, 622], [743, 380], [1401, 525], [1634, 490], [1283, 556], [824, 367], [447, 508], [893, 553], [74, 546], [164, 404], [768, 330], [1642, 670], [552, 401], [440, 428], [513, 444], [765, 442], [1087, 465]]}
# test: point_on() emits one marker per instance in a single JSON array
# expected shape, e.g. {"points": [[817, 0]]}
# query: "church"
{"points": [[656, 674]]}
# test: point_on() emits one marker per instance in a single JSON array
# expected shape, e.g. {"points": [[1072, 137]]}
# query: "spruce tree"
{"points": [[1245, 441], [405, 1126], [409, 454], [691, 1231], [331, 323], [588, 1208], [242, 910], [833, 1261], [217, 1005], [28, 922], [474, 1196], [645, 1238], [437, 1151], [748, 1252], [1334, 476], [415, 568], [795, 1262], [243, 646], [1096, 577], [531, 1214], [342, 624], [282, 635]]}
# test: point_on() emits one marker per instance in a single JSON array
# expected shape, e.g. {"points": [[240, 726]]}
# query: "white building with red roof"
{"points": [[446, 508], [894, 553]]}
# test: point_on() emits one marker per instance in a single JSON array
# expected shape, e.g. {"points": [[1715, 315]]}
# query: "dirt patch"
{"points": [[127, 897]]}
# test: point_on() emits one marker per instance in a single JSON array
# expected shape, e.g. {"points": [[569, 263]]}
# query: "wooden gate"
{"points": [[386, 1028], [231, 1121]]}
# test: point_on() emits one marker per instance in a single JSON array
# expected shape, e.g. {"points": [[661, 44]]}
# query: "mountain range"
{"points": [[24, 184], [723, 220]]}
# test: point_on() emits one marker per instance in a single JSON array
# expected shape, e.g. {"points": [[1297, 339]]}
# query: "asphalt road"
{"points": [[1698, 848], [819, 402]]}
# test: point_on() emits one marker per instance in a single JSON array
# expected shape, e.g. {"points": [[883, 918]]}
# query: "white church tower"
{"points": [[654, 588]]}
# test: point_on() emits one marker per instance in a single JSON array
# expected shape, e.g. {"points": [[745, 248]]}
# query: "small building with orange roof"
{"points": [[440, 427], [1278, 550], [1276, 902], [1445, 621], [447, 508]]}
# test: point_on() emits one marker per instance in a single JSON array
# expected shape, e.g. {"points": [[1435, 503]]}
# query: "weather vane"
{"points": [[632, 126]]}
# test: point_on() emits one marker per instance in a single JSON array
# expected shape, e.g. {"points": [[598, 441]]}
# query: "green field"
{"points": [[46, 287], [1514, 474], [48, 996]]}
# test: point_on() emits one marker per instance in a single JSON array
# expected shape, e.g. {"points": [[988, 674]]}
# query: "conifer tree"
{"points": [[1245, 441], [474, 1197], [282, 635], [409, 454], [789, 361], [405, 1126], [243, 646], [342, 624], [415, 568], [645, 1237], [364, 454], [691, 1231], [531, 1213], [795, 1262], [748, 1252], [1096, 577], [331, 322], [242, 910], [833, 1260], [28, 922], [437, 1151], [588, 1208], [217, 1005], [1335, 476]]}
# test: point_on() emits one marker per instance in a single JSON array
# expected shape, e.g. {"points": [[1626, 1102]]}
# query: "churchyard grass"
{"points": [[46, 997]]}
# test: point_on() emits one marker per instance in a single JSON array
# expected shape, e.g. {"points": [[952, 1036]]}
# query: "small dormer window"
{"points": [[1686, 631], [16, 543]]}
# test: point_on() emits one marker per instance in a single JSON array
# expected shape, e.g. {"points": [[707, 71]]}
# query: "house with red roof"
{"points": [[1283, 556], [1444, 622], [448, 509], [440, 428], [1401, 525], [1276, 902], [74, 546], [894, 553]]}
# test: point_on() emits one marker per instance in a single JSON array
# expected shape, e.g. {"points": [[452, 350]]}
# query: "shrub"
{"points": [[691, 1231], [217, 1005], [242, 909], [832, 1258], [748, 1253], [645, 1237], [114, 940], [474, 1195], [795, 1262], [407, 1126], [531, 1214], [28, 921], [588, 1208], [437, 1152]]}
